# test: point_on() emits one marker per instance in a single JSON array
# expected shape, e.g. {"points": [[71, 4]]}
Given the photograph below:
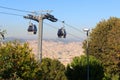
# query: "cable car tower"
{"points": [[39, 19]]}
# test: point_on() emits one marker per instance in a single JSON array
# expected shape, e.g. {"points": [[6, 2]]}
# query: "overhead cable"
{"points": [[15, 9], [11, 14], [34, 12]]}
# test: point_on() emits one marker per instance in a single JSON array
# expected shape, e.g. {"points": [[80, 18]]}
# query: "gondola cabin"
{"points": [[61, 33], [32, 28]]}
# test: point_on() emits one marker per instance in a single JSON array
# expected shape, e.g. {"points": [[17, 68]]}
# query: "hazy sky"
{"points": [[76, 13]]}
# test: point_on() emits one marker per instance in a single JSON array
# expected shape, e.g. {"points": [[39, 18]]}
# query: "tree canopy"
{"points": [[17, 62], [52, 70], [104, 44], [77, 69]]}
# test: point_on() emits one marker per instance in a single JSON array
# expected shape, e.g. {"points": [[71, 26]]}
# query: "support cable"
{"points": [[11, 14], [34, 12], [15, 9]]}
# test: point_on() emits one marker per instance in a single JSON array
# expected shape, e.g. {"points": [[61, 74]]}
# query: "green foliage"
{"points": [[104, 44], [77, 70], [17, 62], [52, 70]]}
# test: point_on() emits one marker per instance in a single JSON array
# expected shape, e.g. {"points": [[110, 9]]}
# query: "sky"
{"points": [[78, 14]]}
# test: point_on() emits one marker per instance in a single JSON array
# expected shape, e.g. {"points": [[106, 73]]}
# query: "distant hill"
{"points": [[60, 50], [65, 40], [13, 39]]}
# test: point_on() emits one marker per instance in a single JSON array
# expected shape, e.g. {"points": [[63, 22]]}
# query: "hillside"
{"points": [[64, 52]]}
